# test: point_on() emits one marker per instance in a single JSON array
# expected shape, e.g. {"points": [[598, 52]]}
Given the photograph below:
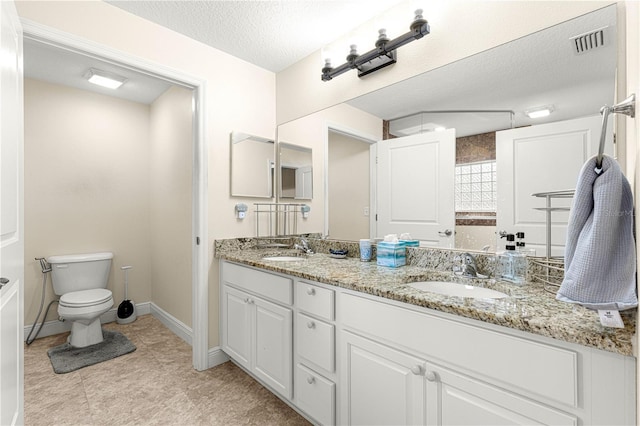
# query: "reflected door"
{"points": [[542, 158], [415, 187]]}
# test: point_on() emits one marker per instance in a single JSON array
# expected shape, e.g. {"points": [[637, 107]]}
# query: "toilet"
{"points": [[81, 282]]}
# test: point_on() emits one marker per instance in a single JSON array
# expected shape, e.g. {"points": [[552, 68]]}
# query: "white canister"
{"points": [[365, 250]]}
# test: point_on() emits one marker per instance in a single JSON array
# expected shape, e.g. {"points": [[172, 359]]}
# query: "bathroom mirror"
{"points": [[252, 166], [540, 69], [296, 172]]}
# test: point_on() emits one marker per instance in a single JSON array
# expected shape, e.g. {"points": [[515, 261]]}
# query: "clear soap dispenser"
{"points": [[512, 265]]}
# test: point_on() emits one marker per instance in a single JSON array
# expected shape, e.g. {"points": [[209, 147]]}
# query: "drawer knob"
{"points": [[417, 370], [311, 324], [431, 376], [311, 380], [311, 291]]}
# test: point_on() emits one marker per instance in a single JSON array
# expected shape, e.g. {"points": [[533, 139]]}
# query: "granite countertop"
{"points": [[529, 308]]}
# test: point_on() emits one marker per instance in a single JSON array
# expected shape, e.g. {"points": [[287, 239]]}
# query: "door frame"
{"points": [[355, 134], [199, 219]]}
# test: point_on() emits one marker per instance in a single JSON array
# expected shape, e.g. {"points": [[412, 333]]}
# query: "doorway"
{"points": [[198, 233], [349, 184]]}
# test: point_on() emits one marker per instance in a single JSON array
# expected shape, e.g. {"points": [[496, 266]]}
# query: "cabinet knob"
{"points": [[417, 370], [431, 376], [311, 380], [248, 300], [311, 324], [311, 291], [3, 282]]}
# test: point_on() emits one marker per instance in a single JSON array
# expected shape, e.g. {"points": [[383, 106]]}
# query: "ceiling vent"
{"points": [[586, 42]]}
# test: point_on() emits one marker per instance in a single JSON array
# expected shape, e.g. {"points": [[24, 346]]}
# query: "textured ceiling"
{"points": [[537, 70], [270, 34]]}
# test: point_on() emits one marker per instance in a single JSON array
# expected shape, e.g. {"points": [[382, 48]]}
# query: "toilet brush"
{"points": [[127, 309]]}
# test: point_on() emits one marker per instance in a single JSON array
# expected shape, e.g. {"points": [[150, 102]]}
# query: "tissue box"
{"points": [[411, 243], [391, 254]]}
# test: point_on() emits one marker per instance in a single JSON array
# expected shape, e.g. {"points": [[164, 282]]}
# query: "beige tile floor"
{"points": [[154, 385]]}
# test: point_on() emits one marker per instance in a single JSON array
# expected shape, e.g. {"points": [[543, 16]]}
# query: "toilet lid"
{"points": [[91, 297]]}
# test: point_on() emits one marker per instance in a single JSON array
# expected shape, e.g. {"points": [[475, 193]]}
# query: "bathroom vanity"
{"points": [[349, 342]]}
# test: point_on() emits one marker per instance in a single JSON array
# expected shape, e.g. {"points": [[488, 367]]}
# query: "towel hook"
{"points": [[626, 107]]}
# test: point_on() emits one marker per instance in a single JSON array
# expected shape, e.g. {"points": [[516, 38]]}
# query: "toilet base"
{"points": [[85, 334]]}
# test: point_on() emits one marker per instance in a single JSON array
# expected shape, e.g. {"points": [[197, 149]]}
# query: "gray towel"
{"points": [[600, 255]]}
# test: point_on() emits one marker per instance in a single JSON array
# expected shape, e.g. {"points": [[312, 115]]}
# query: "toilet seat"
{"points": [[85, 298]]}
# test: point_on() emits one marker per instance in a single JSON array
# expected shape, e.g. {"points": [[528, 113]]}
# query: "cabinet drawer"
{"points": [[316, 341], [315, 395], [530, 367], [315, 300], [271, 286]]}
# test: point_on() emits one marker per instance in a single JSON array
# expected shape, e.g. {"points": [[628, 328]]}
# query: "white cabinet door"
{"points": [[236, 324], [381, 386], [415, 187], [273, 345], [258, 335], [455, 399], [11, 220], [542, 158]]}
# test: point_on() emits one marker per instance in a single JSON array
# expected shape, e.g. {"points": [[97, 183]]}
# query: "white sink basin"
{"points": [[283, 258], [455, 289]]}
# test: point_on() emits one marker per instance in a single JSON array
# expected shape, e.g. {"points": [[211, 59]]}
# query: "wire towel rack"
{"points": [[551, 267], [277, 219]]}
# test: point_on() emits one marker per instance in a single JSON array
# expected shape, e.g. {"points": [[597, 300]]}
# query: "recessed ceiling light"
{"points": [[104, 78], [539, 112]]}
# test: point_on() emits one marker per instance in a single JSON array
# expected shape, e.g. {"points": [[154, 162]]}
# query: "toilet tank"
{"points": [[77, 272]]}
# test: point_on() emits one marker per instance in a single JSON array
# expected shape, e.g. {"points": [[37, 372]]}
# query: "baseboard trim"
{"points": [[172, 323], [50, 328], [216, 357]]}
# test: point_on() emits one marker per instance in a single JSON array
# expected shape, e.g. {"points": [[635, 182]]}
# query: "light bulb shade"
{"points": [[104, 78]]}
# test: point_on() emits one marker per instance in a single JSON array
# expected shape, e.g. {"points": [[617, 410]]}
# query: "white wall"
{"points": [[86, 185], [171, 153], [459, 29], [231, 83]]}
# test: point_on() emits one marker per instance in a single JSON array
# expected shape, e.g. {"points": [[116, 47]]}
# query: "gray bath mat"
{"points": [[65, 358]]}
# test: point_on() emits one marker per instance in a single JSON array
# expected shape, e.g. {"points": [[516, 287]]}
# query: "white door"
{"points": [[414, 189], [542, 158], [304, 183], [382, 386], [11, 219]]}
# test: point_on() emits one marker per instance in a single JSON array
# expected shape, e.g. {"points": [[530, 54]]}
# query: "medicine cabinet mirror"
{"points": [[252, 166], [296, 172]]}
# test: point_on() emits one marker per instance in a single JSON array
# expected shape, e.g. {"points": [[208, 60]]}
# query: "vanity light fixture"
{"points": [[539, 112], [384, 53], [104, 78]]}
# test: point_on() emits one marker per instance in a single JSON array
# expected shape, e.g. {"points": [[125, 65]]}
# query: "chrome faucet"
{"points": [[469, 268], [303, 246]]}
